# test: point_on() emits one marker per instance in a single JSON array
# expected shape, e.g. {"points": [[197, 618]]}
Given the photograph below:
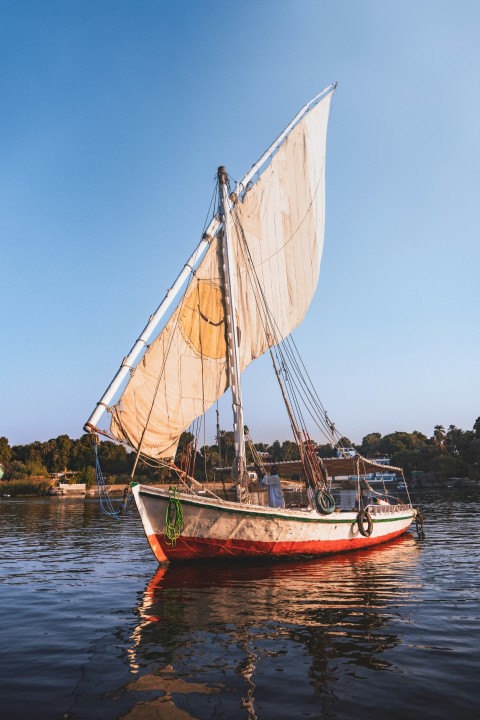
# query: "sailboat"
{"points": [[245, 288]]}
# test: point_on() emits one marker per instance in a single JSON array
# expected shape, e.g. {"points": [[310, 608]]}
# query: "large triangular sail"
{"points": [[278, 238], [278, 226]]}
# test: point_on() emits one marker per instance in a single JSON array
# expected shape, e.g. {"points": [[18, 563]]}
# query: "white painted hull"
{"points": [[219, 528]]}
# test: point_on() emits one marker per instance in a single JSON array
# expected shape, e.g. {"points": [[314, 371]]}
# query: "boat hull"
{"points": [[214, 528]]}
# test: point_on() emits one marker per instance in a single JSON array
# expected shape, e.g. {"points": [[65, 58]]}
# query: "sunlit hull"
{"points": [[215, 528]]}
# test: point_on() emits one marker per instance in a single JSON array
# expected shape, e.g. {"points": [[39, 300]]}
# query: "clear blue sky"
{"points": [[114, 117]]}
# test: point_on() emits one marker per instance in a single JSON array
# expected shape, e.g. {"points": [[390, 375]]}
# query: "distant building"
{"points": [[64, 475], [67, 487]]}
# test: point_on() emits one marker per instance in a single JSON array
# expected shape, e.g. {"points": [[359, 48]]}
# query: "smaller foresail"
{"points": [[183, 372]]}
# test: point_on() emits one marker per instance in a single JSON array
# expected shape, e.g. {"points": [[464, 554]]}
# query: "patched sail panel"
{"points": [[277, 244], [184, 370]]}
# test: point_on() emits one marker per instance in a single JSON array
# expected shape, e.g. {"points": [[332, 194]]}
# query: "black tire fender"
{"points": [[324, 502], [419, 519], [365, 523]]}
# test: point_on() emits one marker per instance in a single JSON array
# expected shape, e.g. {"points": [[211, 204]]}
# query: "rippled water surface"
{"points": [[91, 628]]}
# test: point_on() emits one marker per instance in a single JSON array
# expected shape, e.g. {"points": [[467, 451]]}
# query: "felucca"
{"points": [[242, 292]]}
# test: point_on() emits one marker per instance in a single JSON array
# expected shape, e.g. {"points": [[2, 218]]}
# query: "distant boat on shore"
{"points": [[68, 489]]}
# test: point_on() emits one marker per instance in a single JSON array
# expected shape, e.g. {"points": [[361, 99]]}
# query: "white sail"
{"points": [[279, 230], [184, 370], [278, 238]]}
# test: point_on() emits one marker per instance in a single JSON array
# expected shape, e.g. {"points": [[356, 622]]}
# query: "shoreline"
{"points": [[40, 487]]}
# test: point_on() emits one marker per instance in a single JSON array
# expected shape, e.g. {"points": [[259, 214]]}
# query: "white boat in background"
{"points": [[245, 288]]}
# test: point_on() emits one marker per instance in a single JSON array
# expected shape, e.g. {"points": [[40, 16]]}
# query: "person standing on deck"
{"points": [[363, 500], [275, 493]]}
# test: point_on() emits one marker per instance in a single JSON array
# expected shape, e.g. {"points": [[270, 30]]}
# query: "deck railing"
{"points": [[388, 509]]}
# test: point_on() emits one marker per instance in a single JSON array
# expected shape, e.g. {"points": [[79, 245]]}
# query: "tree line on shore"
{"points": [[451, 452]]}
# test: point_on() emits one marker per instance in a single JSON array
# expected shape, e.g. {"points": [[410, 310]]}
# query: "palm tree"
{"points": [[439, 437], [226, 444]]}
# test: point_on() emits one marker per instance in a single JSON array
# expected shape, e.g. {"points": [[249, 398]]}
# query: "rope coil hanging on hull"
{"points": [[173, 517]]}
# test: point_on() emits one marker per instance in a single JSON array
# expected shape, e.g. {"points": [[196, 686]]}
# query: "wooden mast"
{"points": [[232, 329]]}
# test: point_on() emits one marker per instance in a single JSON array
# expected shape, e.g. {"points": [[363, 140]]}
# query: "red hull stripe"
{"points": [[156, 546], [190, 548]]}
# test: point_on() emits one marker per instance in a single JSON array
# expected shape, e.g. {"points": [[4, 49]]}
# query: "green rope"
{"points": [[173, 518]]}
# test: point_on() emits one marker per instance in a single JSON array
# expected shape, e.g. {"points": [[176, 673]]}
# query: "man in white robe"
{"points": [[275, 494]]}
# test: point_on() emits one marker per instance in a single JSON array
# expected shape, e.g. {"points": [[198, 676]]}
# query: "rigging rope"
{"points": [[257, 460], [104, 498], [300, 394]]}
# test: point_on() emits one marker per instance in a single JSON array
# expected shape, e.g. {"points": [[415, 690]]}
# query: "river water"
{"points": [[90, 627]]}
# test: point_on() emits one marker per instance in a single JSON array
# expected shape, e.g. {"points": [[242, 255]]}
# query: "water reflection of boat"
{"points": [[334, 581], [331, 610]]}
